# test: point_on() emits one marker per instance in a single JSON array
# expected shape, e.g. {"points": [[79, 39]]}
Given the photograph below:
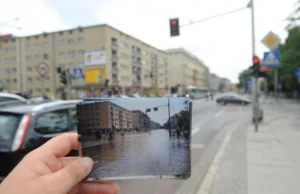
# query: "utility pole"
{"points": [[276, 84], [255, 108], [169, 123]]}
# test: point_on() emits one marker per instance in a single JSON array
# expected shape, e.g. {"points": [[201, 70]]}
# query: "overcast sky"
{"points": [[224, 44], [160, 116]]}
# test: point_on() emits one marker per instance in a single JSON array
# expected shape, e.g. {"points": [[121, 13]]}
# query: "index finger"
{"points": [[61, 145]]}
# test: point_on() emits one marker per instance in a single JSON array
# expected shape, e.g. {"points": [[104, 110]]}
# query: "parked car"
{"points": [[7, 99], [232, 99], [24, 128]]}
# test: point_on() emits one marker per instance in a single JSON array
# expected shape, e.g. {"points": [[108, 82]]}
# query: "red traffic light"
{"points": [[256, 60], [173, 22]]}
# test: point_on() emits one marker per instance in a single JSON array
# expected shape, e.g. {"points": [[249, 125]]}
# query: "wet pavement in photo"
{"points": [[143, 154]]}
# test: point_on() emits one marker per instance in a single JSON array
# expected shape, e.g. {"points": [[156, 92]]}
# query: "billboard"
{"points": [[93, 76], [94, 58]]}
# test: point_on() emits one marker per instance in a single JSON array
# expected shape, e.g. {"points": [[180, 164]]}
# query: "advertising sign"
{"points": [[92, 75], [94, 58]]}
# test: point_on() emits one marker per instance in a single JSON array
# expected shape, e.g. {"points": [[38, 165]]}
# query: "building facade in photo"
{"points": [[98, 52], [140, 120], [186, 70], [104, 116]]}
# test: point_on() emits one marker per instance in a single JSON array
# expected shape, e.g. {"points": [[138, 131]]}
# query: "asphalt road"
{"points": [[208, 122]]}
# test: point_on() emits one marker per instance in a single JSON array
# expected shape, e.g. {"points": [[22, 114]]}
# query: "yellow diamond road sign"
{"points": [[271, 40]]}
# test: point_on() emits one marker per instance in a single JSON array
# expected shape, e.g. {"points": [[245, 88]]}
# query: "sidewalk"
{"points": [[273, 157]]}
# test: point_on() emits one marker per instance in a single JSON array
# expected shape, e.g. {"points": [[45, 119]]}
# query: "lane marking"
{"points": [[208, 180], [220, 112], [195, 130]]}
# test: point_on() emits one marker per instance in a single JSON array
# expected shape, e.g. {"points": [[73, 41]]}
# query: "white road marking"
{"points": [[195, 130], [213, 169], [220, 112]]}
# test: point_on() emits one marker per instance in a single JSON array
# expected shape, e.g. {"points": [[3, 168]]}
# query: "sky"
{"points": [[160, 116], [223, 44]]}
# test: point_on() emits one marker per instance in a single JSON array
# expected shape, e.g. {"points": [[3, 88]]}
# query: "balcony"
{"points": [[114, 46], [115, 70], [114, 58]]}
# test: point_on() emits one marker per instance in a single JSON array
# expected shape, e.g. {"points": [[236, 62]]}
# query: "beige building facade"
{"points": [[101, 52], [186, 70]]}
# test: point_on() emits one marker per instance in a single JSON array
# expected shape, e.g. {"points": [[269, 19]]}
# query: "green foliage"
{"points": [[243, 78]]}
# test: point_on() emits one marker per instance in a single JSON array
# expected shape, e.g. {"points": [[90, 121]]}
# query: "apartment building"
{"points": [[186, 69], [104, 116], [140, 120], [100, 52], [215, 81]]}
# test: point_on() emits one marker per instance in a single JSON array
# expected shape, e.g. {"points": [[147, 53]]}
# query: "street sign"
{"points": [[42, 69], [297, 73], [78, 73], [271, 40], [271, 59]]}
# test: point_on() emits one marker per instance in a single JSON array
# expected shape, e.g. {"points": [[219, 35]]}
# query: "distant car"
{"points": [[7, 100], [24, 128], [232, 99]]}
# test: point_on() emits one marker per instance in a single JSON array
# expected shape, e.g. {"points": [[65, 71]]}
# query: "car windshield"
{"points": [[8, 127]]}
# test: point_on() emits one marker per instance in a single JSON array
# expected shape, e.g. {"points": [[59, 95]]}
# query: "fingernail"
{"points": [[87, 162]]}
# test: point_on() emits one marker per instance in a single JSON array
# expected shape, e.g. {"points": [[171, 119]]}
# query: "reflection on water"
{"points": [[142, 154]]}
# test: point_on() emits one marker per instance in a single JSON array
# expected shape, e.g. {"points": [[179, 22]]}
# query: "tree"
{"points": [[243, 78]]}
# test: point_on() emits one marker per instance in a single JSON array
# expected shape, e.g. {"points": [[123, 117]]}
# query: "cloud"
{"points": [[35, 17]]}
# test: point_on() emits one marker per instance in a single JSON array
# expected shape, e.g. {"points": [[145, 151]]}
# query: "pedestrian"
{"points": [[46, 170]]}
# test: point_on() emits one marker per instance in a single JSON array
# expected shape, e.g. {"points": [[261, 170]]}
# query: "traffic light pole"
{"points": [[255, 108]]}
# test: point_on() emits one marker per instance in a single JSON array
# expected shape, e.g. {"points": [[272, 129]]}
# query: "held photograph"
{"points": [[136, 138]]}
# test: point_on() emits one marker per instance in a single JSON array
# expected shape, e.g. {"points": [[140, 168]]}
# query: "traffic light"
{"points": [[63, 77], [174, 27], [256, 66]]}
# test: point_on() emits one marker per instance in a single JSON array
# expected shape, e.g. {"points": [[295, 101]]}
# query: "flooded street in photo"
{"points": [[141, 154]]}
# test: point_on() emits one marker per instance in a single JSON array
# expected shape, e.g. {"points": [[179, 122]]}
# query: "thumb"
{"points": [[70, 175]]}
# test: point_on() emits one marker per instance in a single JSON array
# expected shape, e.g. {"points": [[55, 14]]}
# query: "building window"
{"points": [[81, 52], [28, 58], [46, 56], [61, 54], [47, 89], [47, 78], [72, 53], [37, 57], [29, 79], [15, 80], [62, 42], [71, 42], [81, 40], [8, 71], [14, 70], [13, 60]]}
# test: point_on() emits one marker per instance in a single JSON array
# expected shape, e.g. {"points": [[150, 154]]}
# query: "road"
{"points": [[211, 125], [208, 119]]}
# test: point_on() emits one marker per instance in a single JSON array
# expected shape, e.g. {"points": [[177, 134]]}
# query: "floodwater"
{"points": [[142, 154]]}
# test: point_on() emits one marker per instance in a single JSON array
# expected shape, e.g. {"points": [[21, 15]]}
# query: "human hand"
{"points": [[46, 171]]}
